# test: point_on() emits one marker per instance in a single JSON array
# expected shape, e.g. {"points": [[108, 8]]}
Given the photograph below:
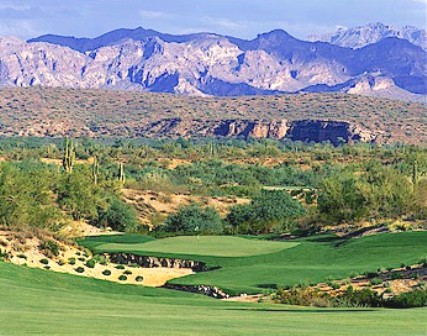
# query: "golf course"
{"points": [[243, 269], [39, 302]]}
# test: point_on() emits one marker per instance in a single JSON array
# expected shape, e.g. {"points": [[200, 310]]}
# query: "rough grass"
{"points": [[314, 260], [217, 246], [37, 302]]}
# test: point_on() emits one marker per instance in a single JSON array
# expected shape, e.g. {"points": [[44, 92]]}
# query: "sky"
{"points": [[240, 18]]}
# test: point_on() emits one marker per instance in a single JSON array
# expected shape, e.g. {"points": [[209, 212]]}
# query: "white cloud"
{"points": [[18, 28], [147, 14]]}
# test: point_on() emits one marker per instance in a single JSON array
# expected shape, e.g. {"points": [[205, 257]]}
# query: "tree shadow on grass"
{"points": [[311, 311]]}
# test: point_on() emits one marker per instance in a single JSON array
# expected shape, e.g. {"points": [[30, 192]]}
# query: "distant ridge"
{"points": [[361, 36], [207, 64]]}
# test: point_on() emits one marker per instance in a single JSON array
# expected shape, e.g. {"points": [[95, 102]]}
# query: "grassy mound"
{"points": [[37, 302]]}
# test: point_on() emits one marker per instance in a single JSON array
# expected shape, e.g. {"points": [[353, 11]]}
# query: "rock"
{"points": [[155, 262], [299, 130]]}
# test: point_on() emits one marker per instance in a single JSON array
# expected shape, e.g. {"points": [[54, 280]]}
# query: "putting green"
{"points": [[216, 246]]}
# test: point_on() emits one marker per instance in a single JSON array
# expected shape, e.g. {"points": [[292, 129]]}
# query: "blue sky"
{"points": [[242, 18]]}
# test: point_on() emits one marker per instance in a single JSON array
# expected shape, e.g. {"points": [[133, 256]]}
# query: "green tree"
{"points": [[194, 219], [120, 216]]}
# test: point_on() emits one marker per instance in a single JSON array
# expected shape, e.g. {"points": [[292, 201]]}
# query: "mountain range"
{"points": [[361, 36], [210, 64]]}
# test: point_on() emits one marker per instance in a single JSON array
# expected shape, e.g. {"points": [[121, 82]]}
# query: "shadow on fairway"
{"points": [[309, 311]]}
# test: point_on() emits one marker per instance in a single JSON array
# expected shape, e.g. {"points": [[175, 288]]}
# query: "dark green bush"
{"points": [[80, 269], [106, 272], [44, 261], [139, 278], [123, 277], [72, 261], [120, 216], [194, 219], [91, 263], [417, 298], [50, 247]]}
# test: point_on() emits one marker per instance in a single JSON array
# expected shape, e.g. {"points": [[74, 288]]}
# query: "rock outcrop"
{"points": [[156, 262], [210, 291], [301, 130]]}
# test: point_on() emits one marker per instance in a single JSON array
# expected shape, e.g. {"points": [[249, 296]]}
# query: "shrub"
{"points": [[44, 261], [61, 262], [91, 263], [120, 267], [127, 272], [123, 277], [50, 247], [72, 261], [194, 219], [139, 278], [416, 298], [396, 275], [106, 272], [80, 269], [120, 216], [270, 210], [22, 256], [376, 281], [335, 286]]}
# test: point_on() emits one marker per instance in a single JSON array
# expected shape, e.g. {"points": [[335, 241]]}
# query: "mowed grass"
{"points": [[39, 302], [217, 246], [313, 260]]}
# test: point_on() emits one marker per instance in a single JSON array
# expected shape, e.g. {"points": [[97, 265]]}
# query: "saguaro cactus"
{"points": [[415, 173], [121, 176], [95, 170], [69, 155]]}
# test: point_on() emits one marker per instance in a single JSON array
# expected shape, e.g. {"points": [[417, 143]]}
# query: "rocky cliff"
{"points": [[299, 130]]}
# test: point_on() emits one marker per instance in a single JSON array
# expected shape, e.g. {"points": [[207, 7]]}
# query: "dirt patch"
{"points": [[153, 207], [26, 249]]}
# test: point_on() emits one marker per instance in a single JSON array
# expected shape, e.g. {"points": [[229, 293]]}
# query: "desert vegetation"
{"points": [[277, 222]]}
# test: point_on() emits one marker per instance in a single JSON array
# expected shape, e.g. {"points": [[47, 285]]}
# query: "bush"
{"points": [[417, 298], [120, 267], [72, 261], [123, 277], [22, 256], [61, 262], [91, 263], [50, 247], [120, 216], [44, 261], [269, 211], [376, 281], [80, 269], [139, 278], [194, 219], [106, 272], [335, 285], [127, 272], [396, 275]]}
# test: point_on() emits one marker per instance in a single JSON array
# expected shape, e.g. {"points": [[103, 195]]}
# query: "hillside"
{"points": [[55, 112]]}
